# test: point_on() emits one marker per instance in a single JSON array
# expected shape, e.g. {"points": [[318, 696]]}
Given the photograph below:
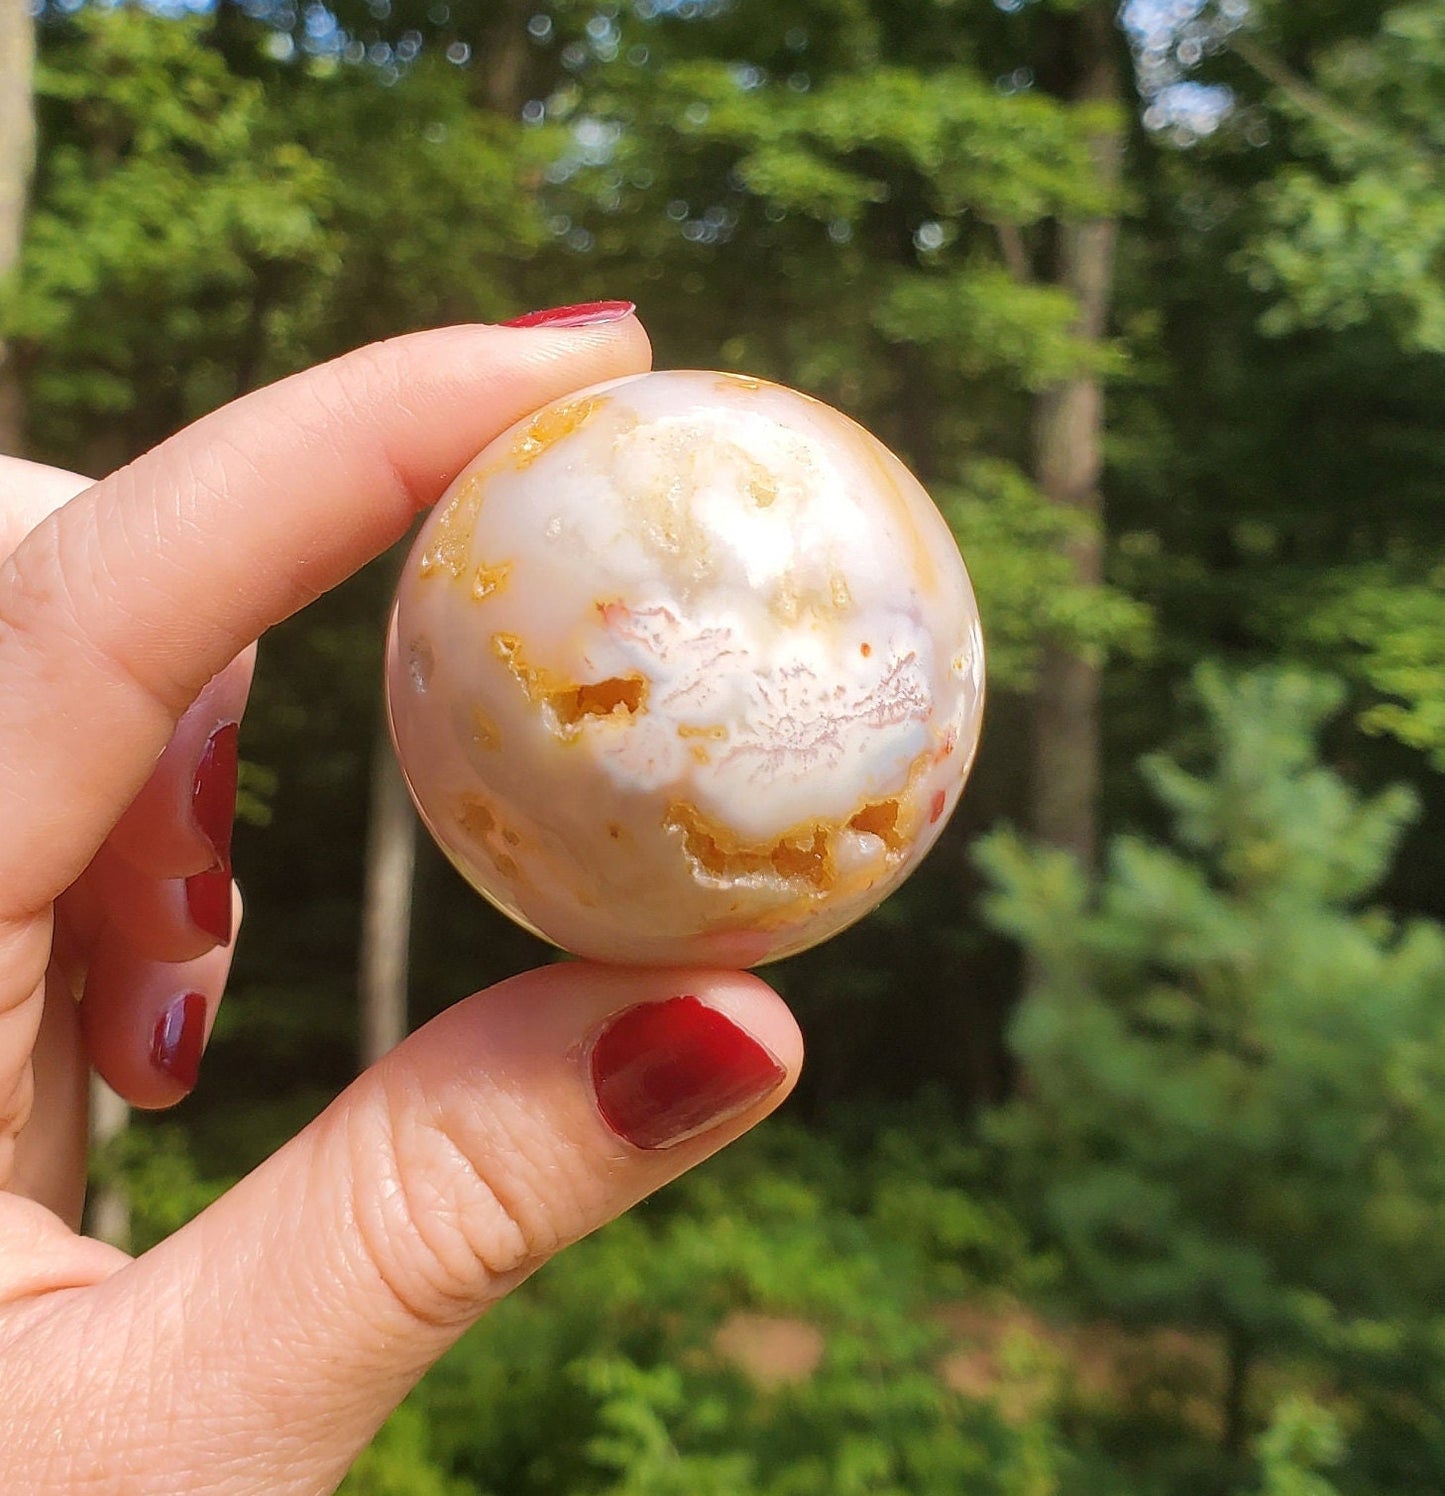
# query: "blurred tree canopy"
{"points": [[1151, 298]]}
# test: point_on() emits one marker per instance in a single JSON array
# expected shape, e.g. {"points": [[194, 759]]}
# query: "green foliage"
{"points": [[1230, 1119], [982, 321], [640, 1364], [155, 1169], [399, 1462], [1229, 1053], [1017, 545], [1356, 229], [168, 192], [1389, 629], [1301, 1440]]}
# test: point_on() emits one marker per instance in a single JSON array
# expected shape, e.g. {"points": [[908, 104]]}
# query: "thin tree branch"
{"points": [[1015, 252], [1307, 98]]}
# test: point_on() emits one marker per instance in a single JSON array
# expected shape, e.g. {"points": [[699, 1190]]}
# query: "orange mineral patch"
{"points": [[550, 426], [881, 820], [475, 816], [602, 698]]}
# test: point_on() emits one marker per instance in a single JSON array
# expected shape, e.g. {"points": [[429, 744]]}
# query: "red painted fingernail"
{"points": [[178, 1039], [664, 1072], [213, 791], [208, 901], [213, 808], [584, 314]]}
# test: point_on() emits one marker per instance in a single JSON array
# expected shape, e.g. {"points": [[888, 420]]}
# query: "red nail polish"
{"points": [[208, 901], [178, 1039], [664, 1072], [584, 314], [213, 791], [213, 808]]}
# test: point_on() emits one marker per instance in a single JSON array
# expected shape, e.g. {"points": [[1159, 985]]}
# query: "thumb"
{"points": [[284, 1324]]}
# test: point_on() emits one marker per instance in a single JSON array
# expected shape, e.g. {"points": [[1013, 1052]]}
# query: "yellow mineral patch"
{"points": [[489, 579], [552, 425], [484, 731], [716, 731], [887, 471], [801, 854], [451, 541], [569, 704], [789, 602], [700, 753], [785, 605], [804, 855], [479, 821], [730, 382], [538, 684]]}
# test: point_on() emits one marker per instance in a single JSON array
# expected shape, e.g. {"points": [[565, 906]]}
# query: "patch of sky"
{"points": [[1169, 39]]}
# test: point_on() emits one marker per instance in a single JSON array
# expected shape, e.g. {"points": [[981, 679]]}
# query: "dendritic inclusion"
{"points": [[685, 668]]}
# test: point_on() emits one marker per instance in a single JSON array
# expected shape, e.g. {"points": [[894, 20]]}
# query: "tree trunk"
{"points": [[17, 162], [1068, 457], [391, 848], [107, 1208], [386, 906], [1238, 1362], [503, 55]]}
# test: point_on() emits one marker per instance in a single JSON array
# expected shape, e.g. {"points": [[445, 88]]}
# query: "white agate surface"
{"points": [[685, 668]]}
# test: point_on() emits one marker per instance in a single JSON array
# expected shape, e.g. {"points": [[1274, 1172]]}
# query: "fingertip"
{"points": [[180, 821], [147, 1023]]}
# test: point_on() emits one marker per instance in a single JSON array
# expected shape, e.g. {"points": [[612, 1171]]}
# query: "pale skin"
{"points": [[259, 1348]]}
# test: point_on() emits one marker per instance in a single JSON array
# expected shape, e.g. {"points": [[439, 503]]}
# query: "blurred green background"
{"points": [[1119, 1164]]}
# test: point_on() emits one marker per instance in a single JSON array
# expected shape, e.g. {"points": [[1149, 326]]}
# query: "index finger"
{"points": [[117, 609], [28, 492]]}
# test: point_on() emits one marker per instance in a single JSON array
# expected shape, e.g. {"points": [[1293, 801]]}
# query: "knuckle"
{"points": [[63, 593], [445, 1227]]}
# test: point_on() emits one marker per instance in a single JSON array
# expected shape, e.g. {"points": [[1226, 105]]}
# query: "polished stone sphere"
{"points": [[685, 668]]}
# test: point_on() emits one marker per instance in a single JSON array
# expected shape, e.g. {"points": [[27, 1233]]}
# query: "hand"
{"points": [[260, 1347]]}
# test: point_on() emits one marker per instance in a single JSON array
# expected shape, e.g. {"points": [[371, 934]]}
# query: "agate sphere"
{"points": [[685, 668]]}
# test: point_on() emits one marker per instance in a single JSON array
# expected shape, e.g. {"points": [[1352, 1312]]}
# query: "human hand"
{"points": [[259, 1348]]}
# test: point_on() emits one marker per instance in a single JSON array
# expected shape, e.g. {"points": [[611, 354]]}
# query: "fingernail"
{"points": [[208, 901], [213, 791], [584, 314], [178, 1039], [664, 1072], [213, 809]]}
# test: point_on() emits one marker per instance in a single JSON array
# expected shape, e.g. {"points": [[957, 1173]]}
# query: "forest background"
{"points": [[1119, 1164]]}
